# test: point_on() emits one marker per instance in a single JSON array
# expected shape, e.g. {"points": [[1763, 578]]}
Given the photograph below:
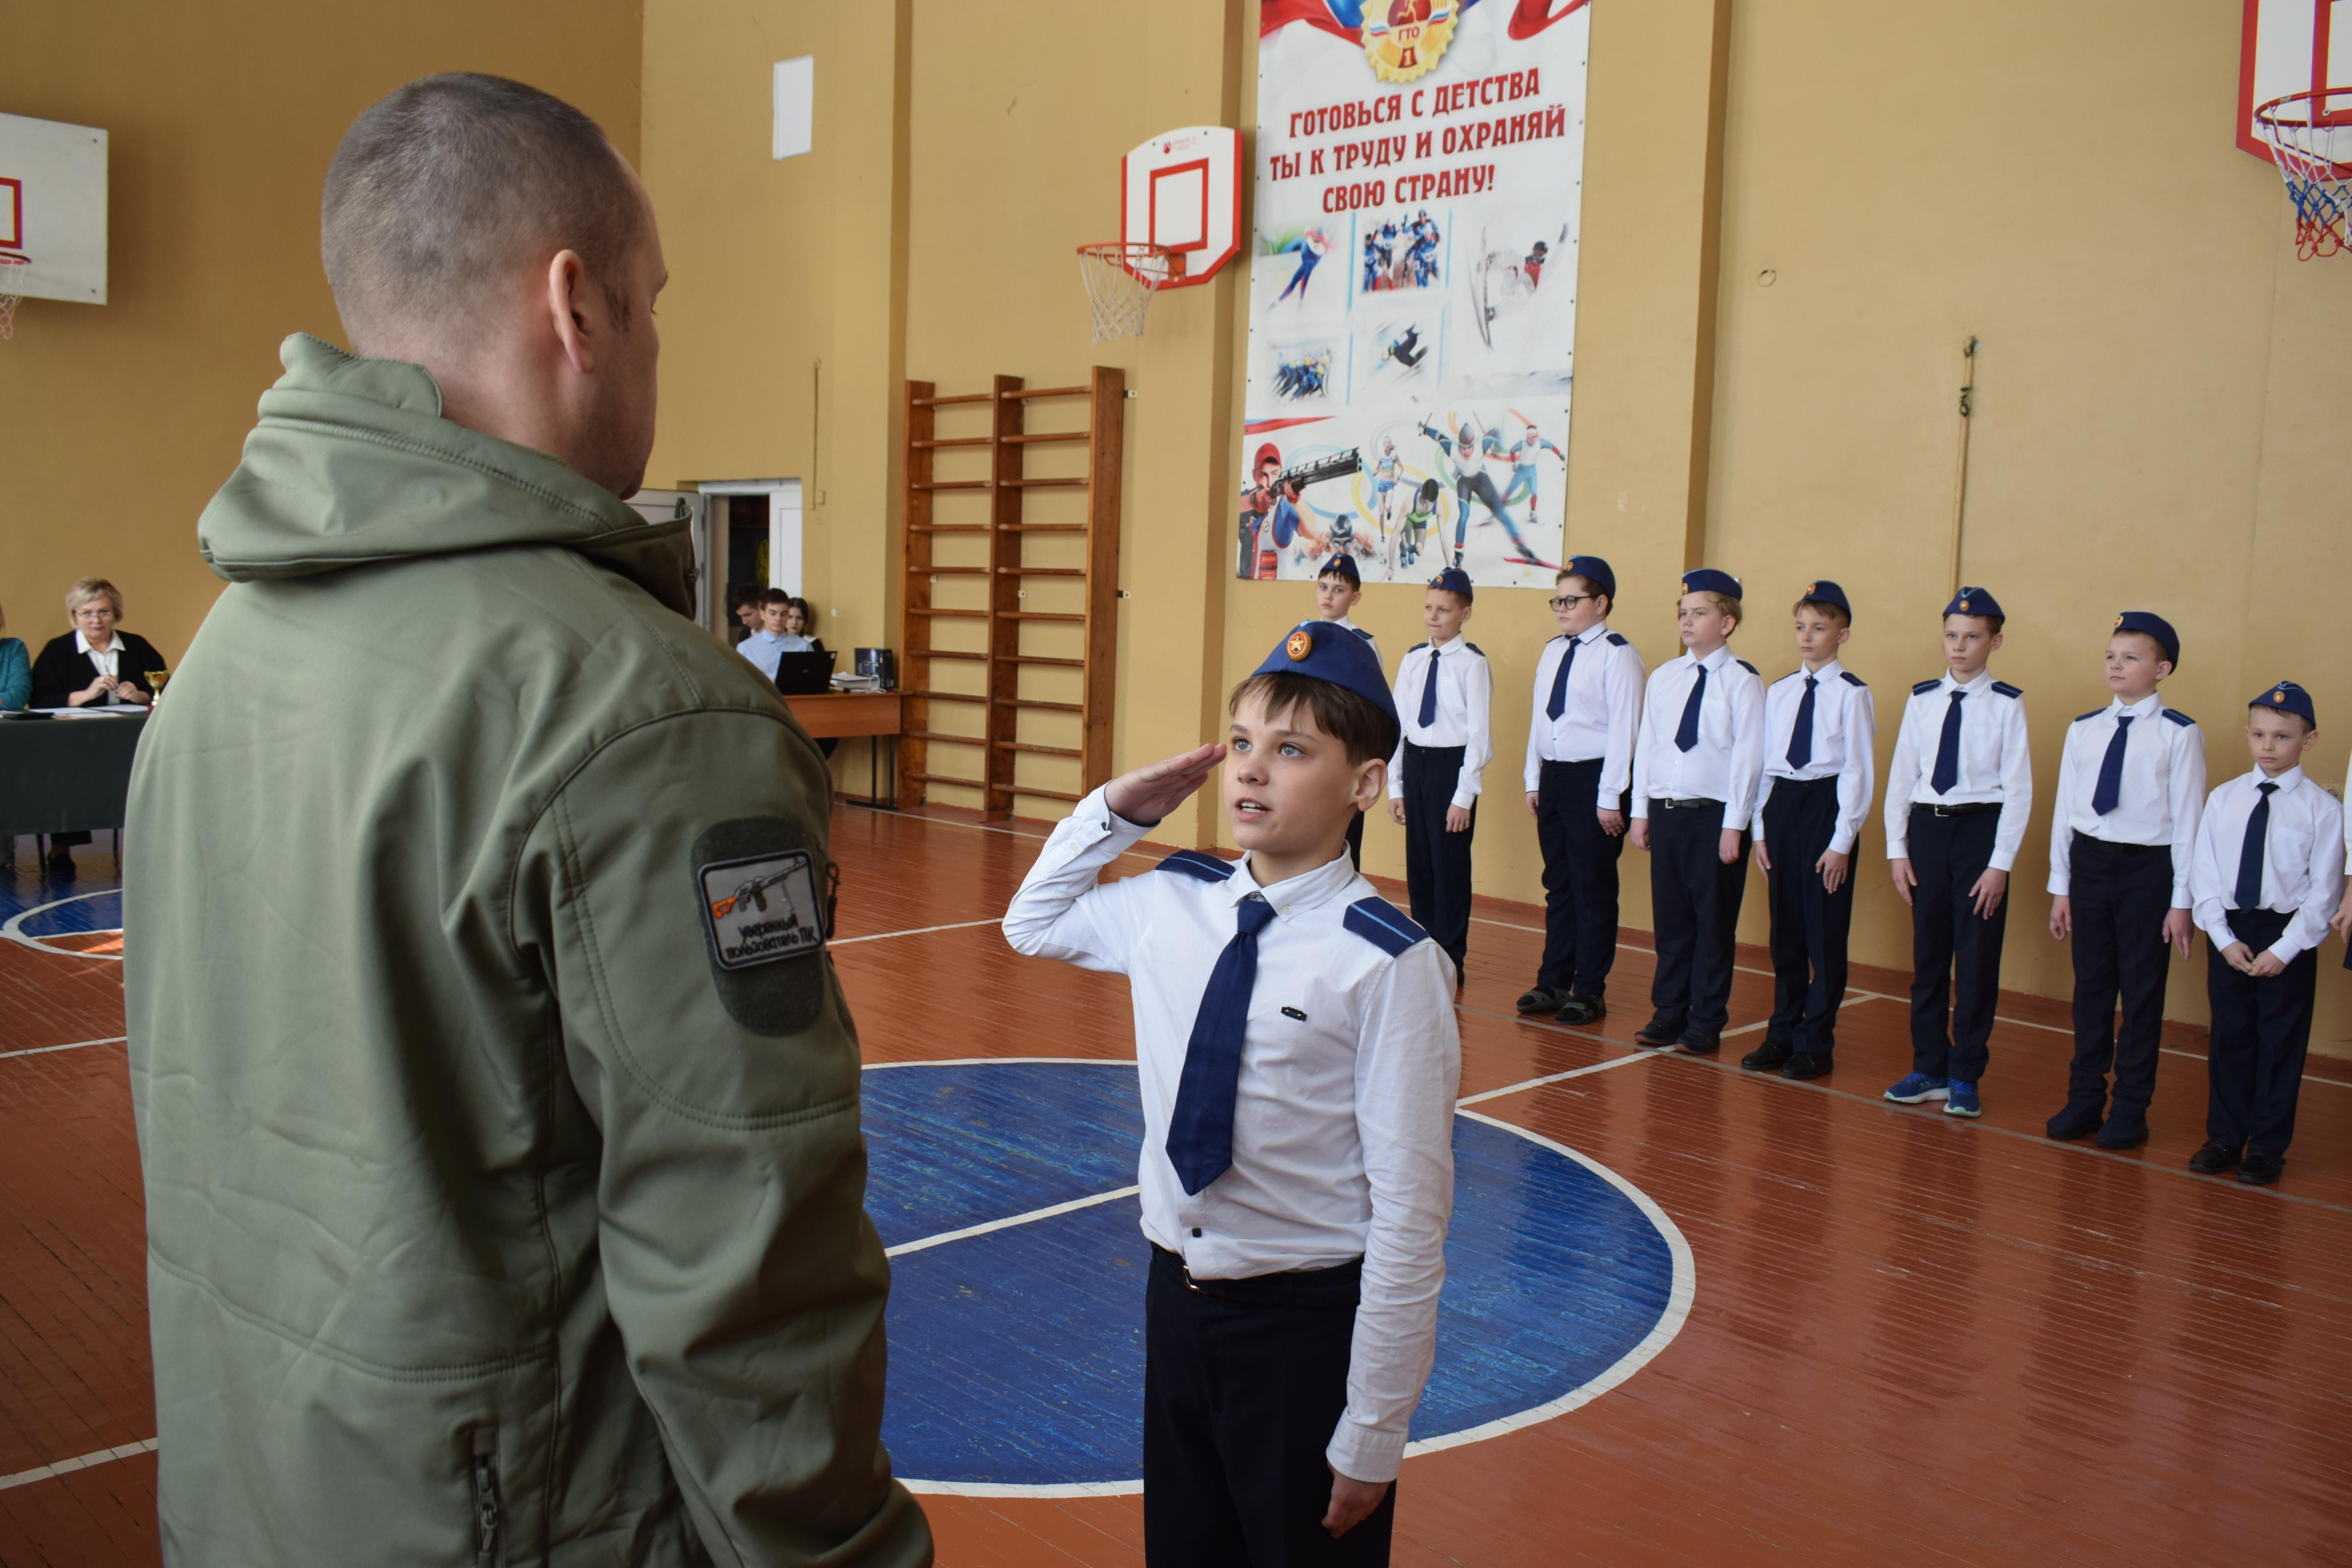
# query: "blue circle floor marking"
{"points": [[1004, 1191]]}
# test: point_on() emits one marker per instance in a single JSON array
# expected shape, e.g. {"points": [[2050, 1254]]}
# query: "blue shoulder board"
{"points": [[1748, 667], [1473, 647], [1851, 678], [1383, 925], [2091, 714], [2006, 689], [1193, 863], [1361, 633], [1925, 687], [2177, 717], [1416, 647], [1614, 639]]}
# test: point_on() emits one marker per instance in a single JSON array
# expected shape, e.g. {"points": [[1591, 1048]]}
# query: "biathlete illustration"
{"points": [[1464, 460]]}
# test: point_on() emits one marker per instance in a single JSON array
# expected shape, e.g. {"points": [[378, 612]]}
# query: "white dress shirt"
{"points": [[2158, 801], [1996, 766], [1465, 689], [1846, 731], [1600, 712], [2303, 858], [109, 664], [1343, 1118], [1727, 762], [1344, 621]]}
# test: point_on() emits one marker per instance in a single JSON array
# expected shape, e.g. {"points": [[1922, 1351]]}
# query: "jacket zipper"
{"points": [[487, 1524]]}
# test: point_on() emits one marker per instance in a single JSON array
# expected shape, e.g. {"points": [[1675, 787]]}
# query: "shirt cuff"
{"points": [[1465, 800], [2180, 898], [1898, 848], [1842, 841], [2061, 885], [1363, 1453], [1117, 827], [2287, 950]]}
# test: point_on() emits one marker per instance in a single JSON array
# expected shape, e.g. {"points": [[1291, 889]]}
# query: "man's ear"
{"points": [[575, 310]]}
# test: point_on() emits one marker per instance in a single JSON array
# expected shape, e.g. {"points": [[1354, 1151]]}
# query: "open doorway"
{"points": [[754, 543]]}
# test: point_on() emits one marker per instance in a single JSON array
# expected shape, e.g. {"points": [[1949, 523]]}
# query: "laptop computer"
{"points": [[805, 674]]}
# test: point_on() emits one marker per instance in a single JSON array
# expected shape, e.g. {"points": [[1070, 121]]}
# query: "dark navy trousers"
{"points": [[1955, 952], [2262, 1029], [1437, 863], [2121, 894], [1809, 923], [1695, 906], [1580, 879]]}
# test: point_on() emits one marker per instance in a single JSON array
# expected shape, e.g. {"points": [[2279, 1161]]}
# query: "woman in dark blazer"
{"points": [[94, 664]]}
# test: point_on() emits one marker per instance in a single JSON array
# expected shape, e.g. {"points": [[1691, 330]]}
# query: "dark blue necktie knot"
{"points": [[1801, 734], [1200, 1130], [1252, 914], [1948, 748], [2109, 790]]}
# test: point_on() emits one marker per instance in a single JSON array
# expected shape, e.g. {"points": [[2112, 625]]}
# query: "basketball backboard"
{"points": [[53, 208], [2294, 46], [1183, 190]]}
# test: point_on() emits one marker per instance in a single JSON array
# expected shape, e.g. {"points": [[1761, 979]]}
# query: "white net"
{"points": [[1120, 281], [12, 266], [2316, 159]]}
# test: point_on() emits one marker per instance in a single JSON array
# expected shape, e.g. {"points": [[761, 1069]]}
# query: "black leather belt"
{"points": [[1666, 802], [1973, 808]]}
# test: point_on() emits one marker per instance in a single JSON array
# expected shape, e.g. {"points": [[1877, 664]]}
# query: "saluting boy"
{"points": [[1442, 691], [1697, 768], [1298, 1062], [2131, 786], [1957, 796], [1579, 771], [2267, 877], [1338, 588], [1820, 729]]}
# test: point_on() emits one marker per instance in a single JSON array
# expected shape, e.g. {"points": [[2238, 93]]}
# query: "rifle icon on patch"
{"points": [[755, 890]]}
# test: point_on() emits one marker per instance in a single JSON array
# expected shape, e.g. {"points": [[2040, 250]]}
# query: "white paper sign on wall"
{"points": [[53, 208], [795, 107]]}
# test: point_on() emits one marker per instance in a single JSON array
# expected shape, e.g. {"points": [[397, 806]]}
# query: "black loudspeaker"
{"points": [[880, 661]]}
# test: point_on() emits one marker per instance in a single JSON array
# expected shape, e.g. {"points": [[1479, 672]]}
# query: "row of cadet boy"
{"points": [[1960, 794]]}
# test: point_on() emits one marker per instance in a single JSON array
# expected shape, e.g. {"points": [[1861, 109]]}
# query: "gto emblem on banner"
{"points": [[1410, 40]]}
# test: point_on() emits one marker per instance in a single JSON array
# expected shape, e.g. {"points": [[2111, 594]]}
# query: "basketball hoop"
{"points": [[2313, 150], [9, 277], [1120, 281]]}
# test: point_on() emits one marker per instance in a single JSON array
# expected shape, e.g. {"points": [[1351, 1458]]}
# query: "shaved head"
{"points": [[455, 187]]}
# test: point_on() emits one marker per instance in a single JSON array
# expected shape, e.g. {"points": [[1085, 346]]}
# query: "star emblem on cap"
{"points": [[2279, 696], [1964, 607], [1810, 588], [1300, 645]]}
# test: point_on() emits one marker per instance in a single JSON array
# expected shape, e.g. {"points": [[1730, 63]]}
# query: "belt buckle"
{"points": [[1189, 1284]]}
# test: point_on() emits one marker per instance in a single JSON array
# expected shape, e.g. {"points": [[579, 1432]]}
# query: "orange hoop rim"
{"points": [[1127, 254], [2267, 117]]}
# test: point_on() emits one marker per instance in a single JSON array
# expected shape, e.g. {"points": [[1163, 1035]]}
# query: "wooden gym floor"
{"points": [[1912, 1341]]}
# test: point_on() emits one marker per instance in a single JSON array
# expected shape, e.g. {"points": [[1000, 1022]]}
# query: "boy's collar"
{"points": [[2134, 707], [1436, 646], [1302, 893], [1954, 683], [2293, 776], [1710, 659], [1830, 668], [1594, 632]]}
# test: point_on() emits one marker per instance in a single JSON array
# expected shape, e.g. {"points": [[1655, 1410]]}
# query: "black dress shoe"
{"points": [[1698, 1043], [1542, 999], [2124, 1130], [1662, 1030], [1767, 1057], [61, 865], [2259, 1170], [2213, 1159], [1580, 1011], [1807, 1063], [2079, 1120]]}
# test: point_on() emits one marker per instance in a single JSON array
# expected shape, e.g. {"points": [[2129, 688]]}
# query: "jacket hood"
{"points": [[353, 465]]}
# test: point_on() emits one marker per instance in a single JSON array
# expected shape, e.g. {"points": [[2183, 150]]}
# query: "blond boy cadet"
{"points": [[2131, 786], [1820, 729], [1443, 690], [1580, 767], [1299, 1061], [2266, 876], [1957, 796], [1697, 768], [1338, 588]]}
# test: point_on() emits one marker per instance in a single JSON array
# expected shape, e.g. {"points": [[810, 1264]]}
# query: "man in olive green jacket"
{"points": [[497, 1102]]}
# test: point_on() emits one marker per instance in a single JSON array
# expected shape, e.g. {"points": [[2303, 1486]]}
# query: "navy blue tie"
{"points": [[1429, 692], [1201, 1132], [2250, 857], [1948, 749], [2110, 787], [1558, 703], [1800, 738], [1687, 732]]}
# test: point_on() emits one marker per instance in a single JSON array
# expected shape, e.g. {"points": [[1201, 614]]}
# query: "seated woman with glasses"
{"points": [[95, 665]]}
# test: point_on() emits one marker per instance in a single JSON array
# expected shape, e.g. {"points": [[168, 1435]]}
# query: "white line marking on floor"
{"points": [[45, 1050], [66, 1466], [1048, 1211], [915, 931], [1552, 1078], [14, 931], [2068, 1029]]}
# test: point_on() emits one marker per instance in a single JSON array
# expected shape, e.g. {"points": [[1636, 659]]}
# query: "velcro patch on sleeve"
{"points": [[761, 890]]}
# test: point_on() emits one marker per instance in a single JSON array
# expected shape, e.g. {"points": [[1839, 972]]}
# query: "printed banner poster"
{"points": [[1412, 287]]}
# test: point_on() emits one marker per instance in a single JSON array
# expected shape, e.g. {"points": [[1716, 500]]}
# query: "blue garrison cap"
{"points": [[1595, 571], [1975, 602], [1326, 651], [2154, 625], [1342, 565], [2286, 697], [1823, 592], [1707, 580], [1454, 580]]}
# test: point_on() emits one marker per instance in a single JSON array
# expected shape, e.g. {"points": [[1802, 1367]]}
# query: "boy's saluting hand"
{"points": [[1149, 793]]}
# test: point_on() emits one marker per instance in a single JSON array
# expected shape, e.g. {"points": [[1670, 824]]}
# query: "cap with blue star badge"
{"points": [[1975, 602], [2153, 625], [1342, 565], [1595, 571], [2286, 697], [1707, 580], [1824, 591], [1454, 580], [1325, 651]]}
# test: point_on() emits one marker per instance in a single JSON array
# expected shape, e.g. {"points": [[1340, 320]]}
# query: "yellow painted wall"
{"points": [[119, 421]]}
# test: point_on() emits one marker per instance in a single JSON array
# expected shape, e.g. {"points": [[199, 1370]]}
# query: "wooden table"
{"points": [[840, 715]]}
